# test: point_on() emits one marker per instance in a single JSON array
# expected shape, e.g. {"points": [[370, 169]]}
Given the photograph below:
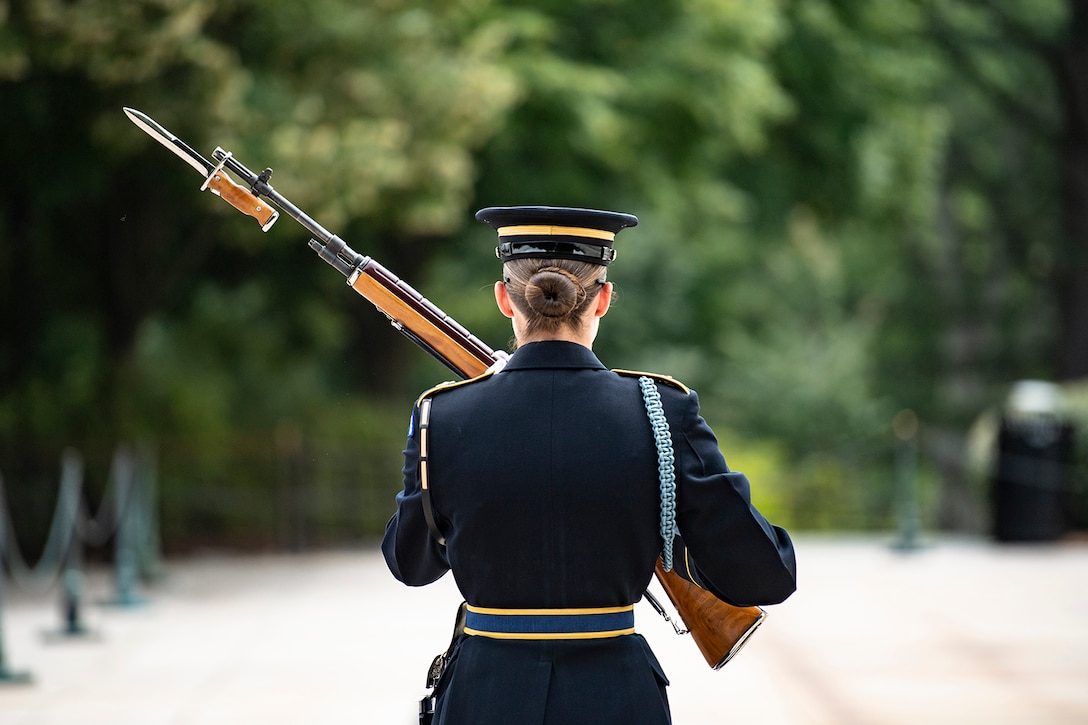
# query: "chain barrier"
{"points": [[126, 514]]}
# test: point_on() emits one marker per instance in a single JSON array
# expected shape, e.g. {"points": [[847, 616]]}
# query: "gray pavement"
{"points": [[957, 632]]}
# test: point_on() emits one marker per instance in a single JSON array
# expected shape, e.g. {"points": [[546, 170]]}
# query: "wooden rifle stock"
{"points": [[425, 324], [718, 628]]}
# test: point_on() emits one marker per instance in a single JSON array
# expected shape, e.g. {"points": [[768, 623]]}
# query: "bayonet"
{"points": [[247, 201]]}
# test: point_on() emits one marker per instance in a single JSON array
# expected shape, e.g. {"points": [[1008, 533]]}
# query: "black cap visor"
{"points": [[513, 248]]}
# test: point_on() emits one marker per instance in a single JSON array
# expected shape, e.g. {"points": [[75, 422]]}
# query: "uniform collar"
{"points": [[553, 354]]}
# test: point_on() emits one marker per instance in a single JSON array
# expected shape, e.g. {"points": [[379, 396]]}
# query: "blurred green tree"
{"points": [[135, 307], [848, 208]]}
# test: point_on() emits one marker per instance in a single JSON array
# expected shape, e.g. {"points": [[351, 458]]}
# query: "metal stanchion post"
{"points": [[71, 598], [126, 561], [150, 556], [905, 428], [7, 675], [71, 579]]}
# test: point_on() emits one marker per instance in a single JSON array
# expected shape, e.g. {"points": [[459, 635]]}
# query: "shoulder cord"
{"points": [[665, 469]]}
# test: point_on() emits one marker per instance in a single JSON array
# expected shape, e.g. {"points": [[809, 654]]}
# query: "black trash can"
{"points": [[1034, 457]]}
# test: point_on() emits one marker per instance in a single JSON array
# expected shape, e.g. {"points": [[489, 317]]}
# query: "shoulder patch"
{"points": [[451, 384], [667, 379]]}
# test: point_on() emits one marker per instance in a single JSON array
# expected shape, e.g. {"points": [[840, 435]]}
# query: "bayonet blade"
{"points": [[216, 179], [170, 141]]}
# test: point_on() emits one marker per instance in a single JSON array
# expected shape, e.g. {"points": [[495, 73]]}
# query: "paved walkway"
{"points": [[958, 632]]}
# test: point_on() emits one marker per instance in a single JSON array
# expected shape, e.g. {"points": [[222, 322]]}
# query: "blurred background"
{"points": [[863, 241]]}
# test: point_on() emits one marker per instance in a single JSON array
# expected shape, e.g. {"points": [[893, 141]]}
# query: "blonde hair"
{"points": [[552, 293]]}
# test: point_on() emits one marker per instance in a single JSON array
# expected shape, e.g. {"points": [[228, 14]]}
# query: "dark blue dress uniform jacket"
{"points": [[544, 481]]}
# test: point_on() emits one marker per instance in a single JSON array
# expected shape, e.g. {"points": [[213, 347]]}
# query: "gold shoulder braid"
{"points": [[667, 379], [450, 384]]}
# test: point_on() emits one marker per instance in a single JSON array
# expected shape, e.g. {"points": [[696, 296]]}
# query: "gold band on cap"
{"points": [[551, 231]]}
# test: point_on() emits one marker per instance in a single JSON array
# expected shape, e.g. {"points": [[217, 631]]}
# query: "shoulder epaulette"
{"points": [[451, 384], [668, 379]]}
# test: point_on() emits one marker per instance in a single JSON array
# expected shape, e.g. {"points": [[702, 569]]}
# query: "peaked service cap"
{"points": [[555, 232]]}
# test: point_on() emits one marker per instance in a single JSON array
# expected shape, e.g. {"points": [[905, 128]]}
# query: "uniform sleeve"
{"points": [[411, 552], [731, 549]]}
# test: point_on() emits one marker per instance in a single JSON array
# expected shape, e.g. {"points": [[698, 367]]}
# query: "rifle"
{"points": [[719, 629]]}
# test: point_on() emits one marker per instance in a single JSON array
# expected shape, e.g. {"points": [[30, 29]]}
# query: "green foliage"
{"points": [[847, 208], [378, 108]]}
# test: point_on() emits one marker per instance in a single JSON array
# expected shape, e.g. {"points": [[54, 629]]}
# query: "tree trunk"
{"points": [[1071, 270]]}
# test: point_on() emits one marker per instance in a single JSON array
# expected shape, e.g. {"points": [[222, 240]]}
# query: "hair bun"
{"points": [[554, 292]]}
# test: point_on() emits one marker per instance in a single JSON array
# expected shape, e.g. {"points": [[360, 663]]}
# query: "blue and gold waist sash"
{"points": [[576, 623]]}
